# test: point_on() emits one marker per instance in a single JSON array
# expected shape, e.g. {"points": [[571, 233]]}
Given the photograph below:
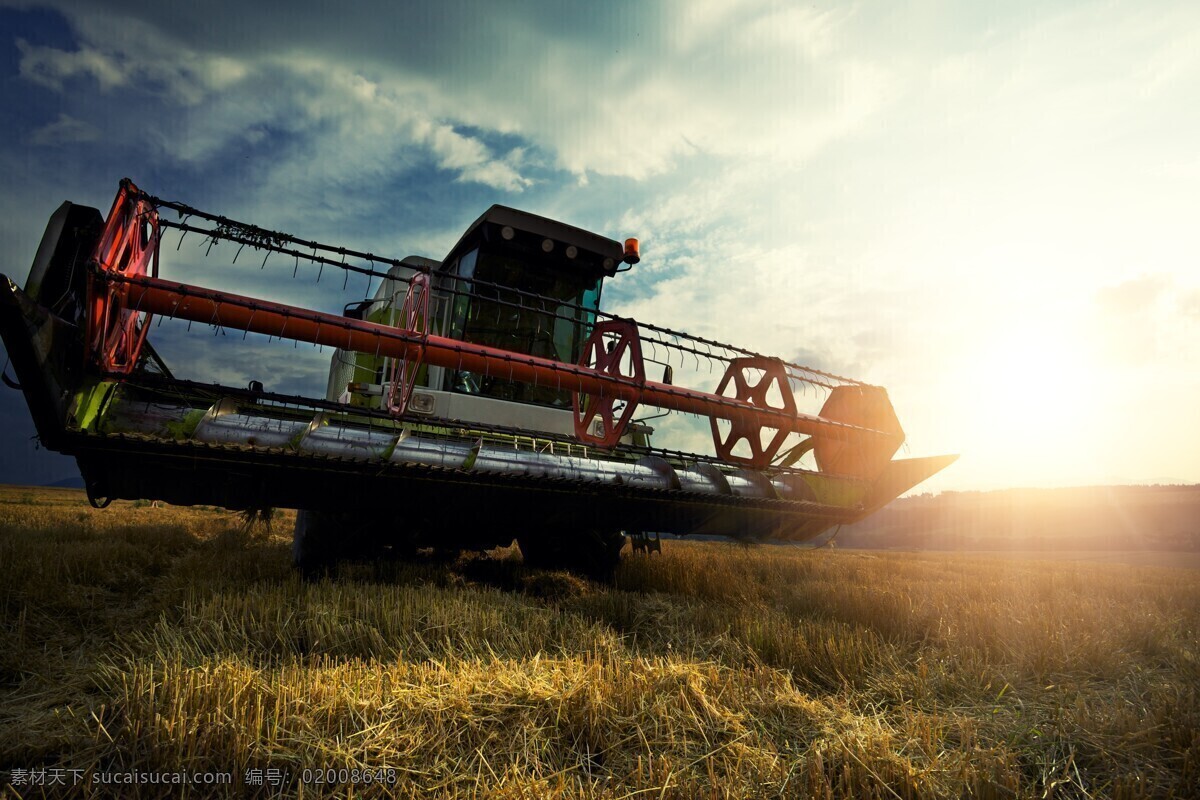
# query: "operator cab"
{"points": [[519, 282], [515, 282]]}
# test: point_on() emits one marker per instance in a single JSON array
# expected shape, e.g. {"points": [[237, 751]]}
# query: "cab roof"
{"points": [[594, 251]]}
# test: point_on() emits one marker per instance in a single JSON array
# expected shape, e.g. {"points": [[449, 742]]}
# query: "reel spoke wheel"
{"points": [[414, 318], [128, 246], [752, 381], [614, 349]]}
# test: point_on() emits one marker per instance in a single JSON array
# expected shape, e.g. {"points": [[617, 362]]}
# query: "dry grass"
{"points": [[161, 638]]}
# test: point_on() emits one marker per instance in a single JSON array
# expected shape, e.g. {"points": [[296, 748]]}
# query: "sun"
{"points": [[1029, 395]]}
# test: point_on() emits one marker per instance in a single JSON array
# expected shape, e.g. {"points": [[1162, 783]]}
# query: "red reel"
{"points": [[128, 246], [754, 390], [607, 356], [414, 318]]}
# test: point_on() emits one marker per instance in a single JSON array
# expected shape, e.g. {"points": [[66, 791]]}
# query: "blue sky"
{"points": [[988, 208]]}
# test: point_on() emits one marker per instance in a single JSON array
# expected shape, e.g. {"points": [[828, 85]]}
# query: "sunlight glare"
{"points": [[1032, 394]]}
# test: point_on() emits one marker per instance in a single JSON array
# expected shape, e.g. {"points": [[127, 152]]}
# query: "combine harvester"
{"points": [[471, 401]]}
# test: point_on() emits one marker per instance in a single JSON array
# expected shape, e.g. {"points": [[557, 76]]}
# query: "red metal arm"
{"points": [[184, 301]]}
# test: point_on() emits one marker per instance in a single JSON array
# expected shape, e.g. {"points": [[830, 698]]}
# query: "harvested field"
{"points": [[153, 640]]}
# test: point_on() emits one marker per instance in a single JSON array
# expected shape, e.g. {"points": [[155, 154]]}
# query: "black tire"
{"points": [[321, 540], [315, 550], [592, 552]]}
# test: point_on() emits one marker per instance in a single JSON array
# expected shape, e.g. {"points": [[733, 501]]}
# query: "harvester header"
{"points": [[462, 394]]}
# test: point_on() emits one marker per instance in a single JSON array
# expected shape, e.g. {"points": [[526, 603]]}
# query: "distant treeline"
{"points": [[1093, 517]]}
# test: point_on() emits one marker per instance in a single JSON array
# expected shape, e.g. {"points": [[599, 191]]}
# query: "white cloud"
{"points": [[156, 63], [1145, 323], [349, 121], [634, 106], [471, 159], [64, 130], [713, 83], [50, 67]]}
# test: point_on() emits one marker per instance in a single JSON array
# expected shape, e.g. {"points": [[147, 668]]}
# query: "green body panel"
{"points": [[834, 490], [88, 407], [185, 429]]}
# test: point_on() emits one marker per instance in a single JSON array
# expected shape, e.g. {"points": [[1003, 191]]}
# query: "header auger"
{"points": [[470, 401]]}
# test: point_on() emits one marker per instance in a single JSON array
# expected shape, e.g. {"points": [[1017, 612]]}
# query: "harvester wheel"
{"points": [[314, 549], [592, 552], [322, 539]]}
